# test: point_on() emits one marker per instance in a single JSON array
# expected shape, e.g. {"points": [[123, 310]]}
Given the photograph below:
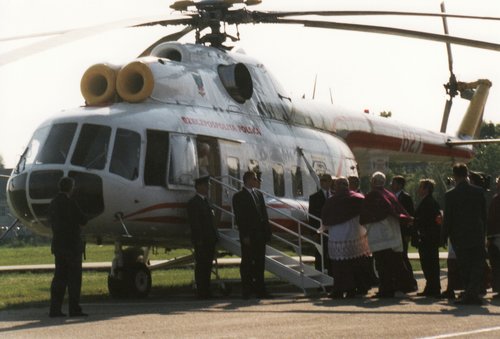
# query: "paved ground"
{"points": [[289, 315]]}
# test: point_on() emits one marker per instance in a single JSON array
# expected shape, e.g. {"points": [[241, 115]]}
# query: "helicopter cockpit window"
{"points": [[56, 147], [125, 157], [182, 165], [29, 155], [92, 147]]}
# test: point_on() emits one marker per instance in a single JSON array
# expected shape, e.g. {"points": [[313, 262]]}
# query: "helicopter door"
{"points": [[209, 164], [231, 162]]}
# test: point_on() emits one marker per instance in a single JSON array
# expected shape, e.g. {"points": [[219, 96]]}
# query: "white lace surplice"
{"points": [[385, 234], [347, 240]]}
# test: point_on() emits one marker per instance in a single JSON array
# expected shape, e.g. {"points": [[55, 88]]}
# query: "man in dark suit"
{"points": [[316, 203], [464, 222], [397, 186], [253, 223], [203, 236], [66, 219], [427, 236]]}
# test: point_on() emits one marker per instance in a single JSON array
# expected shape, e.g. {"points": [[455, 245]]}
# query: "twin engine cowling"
{"points": [[167, 76], [101, 84]]}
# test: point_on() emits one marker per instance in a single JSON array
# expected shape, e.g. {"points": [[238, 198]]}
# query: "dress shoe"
{"points": [[204, 296], [350, 294], [265, 296], [436, 295], [336, 295], [57, 314], [78, 314], [469, 301], [384, 295], [448, 295]]}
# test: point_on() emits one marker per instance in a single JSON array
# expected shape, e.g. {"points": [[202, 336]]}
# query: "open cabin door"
{"points": [[209, 164], [231, 160]]}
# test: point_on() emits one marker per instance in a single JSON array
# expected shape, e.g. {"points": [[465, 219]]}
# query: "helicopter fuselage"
{"points": [[208, 112]]}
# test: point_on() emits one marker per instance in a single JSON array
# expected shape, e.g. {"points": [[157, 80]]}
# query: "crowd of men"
{"points": [[381, 224], [364, 231], [368, 236]]}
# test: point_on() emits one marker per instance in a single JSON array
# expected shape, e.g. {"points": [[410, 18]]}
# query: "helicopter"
{"points": [[179, 111]]}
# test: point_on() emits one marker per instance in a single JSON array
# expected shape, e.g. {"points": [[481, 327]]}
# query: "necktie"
{"points": [[255, 198]]}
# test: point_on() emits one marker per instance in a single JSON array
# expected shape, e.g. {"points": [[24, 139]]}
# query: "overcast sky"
{"points": [[362, 70]]}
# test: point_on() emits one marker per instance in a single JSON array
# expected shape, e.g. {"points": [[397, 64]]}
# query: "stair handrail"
{"points": [[299, 235]]}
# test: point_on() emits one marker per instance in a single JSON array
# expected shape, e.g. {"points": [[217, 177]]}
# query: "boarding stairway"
{"points": [[287, 268]]}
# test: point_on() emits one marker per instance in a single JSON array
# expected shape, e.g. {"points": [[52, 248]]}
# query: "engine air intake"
{"points": [[135, 82], [237, 81], [98, 84]]}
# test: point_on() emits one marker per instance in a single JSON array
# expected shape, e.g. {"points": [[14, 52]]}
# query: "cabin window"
{"points": [[126, 154], [56, 147], [233, 170], [92, 147], [155, 168], [183, 160], [297, 182], [279, 180]]}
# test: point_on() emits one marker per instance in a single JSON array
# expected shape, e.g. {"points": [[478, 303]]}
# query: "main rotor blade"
{"points": [[171, 37], [448, 45], [372, 13], [394, 31], [446, 115], [77, 34]]}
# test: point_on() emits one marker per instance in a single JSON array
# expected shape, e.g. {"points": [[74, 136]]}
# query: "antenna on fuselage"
{"points": [[314, 87]]}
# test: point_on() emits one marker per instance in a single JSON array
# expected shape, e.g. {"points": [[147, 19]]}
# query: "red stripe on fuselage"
{"points": [[384, 142], [158, 207]]}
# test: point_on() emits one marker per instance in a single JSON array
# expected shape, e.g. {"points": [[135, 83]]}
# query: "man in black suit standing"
{"points": [[464, 222], [427, 236], [203, 236], [255, 231], [66, 219], [316, 203], [397, 186]]}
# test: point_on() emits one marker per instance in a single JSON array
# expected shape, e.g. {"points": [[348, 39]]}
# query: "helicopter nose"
{"points": [[30, 193]]}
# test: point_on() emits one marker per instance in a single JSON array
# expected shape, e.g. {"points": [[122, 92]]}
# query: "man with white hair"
{"points": [[381, 213]]}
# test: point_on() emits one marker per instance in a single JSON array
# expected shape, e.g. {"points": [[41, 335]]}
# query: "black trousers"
{"points": [[471, 266], [253, 265], [494, 256], [67, 275], [406, 261], [203, 256], [392, 272], [326, 258], [429, 259]]}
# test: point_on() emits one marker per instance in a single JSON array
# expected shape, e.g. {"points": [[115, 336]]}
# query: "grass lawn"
{"points": [[33, 255], [32, 289]]}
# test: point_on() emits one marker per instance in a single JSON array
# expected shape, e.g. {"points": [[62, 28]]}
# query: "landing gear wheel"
{"points": [[138, 280]]}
